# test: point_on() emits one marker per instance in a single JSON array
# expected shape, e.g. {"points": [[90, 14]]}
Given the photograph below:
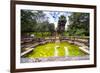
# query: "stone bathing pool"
{"points": [[55, 52]]}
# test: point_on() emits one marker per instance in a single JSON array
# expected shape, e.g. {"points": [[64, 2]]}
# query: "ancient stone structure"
{"points": [[61, 24]]}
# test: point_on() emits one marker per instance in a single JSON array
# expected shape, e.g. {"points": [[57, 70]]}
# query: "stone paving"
{"points": [[67, 58]]}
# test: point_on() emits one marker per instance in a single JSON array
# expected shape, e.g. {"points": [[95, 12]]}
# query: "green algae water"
{"points": [[55, 49]]}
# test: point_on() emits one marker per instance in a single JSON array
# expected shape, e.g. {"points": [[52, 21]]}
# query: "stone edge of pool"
{"points": [[67, 58]]}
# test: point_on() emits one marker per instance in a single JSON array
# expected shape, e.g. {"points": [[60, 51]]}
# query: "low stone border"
{"points": [[67, 58], [25, 52], [84, 49], [29, 49]]}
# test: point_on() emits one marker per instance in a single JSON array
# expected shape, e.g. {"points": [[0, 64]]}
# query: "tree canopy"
{"points": [[38, 21], [35, 21], [78, 24]]}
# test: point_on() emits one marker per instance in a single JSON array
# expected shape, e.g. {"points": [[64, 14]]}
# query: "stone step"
{"points": [[84, 49], [23, 53]]}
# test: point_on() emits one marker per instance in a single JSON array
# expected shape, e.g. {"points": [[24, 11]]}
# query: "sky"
{"points": [[53, 17]]}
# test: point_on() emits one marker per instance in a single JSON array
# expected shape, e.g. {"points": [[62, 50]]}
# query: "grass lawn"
{"points": [[48, 50]]}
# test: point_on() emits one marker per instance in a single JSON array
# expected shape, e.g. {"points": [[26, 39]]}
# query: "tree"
{"points": [[78, 24], [27, 21], [51, 28], [35, 21], [32, 20]]}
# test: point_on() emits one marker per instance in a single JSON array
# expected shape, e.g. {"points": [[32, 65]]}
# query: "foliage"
{"points": [[78, 24], [27, 22], [41, 34], [35, 21]]}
